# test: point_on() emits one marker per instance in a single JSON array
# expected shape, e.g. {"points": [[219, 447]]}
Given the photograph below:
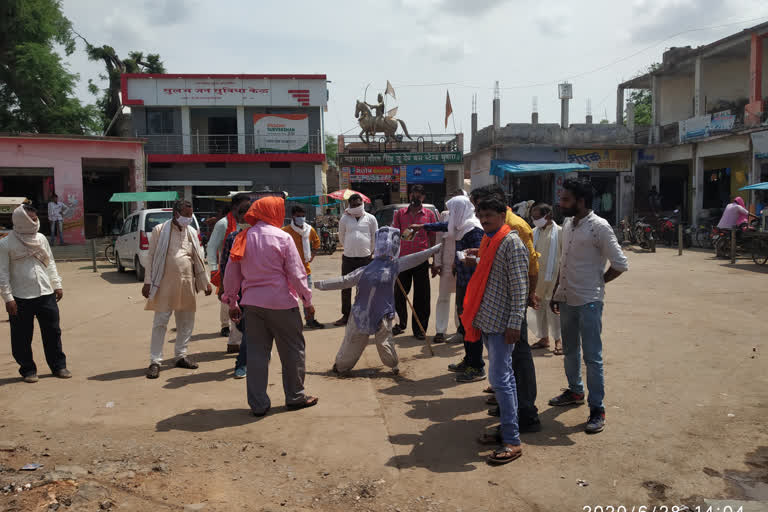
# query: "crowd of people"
{"points": [[488, 257]]}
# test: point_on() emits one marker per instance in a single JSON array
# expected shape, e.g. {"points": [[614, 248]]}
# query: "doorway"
{"points": [[222, 138]]}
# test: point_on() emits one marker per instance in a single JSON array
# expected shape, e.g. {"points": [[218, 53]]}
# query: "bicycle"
{"points": [[109, 251]]}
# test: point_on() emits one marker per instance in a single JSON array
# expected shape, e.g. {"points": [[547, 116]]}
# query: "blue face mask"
{"points": [[299, 221]]}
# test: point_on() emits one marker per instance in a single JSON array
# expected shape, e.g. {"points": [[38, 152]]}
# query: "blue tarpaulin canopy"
{"points": [[319, 200], [499, 167], [130, 197], [756, 186]]}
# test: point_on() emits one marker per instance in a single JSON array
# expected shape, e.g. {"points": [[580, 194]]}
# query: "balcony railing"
{"points": [[230, 144]]}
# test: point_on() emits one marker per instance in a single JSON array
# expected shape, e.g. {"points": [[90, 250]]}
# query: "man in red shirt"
{"points": [[415, 213]]}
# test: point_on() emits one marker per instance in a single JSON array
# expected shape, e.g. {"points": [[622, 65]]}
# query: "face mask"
{"points": [[356, 211], [184, 221], [416, 203], [299, 221], [540, 223], [243, 225]]}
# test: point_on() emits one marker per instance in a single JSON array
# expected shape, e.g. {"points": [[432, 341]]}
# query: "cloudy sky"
{"points": [[422, 46]]}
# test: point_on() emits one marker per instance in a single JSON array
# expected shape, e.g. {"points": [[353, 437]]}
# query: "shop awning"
{"points": [[756, 186], [499, 167], [132, 197], [321, 200]]}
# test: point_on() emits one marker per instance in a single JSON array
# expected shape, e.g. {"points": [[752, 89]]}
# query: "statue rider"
{"points": [[379, 108]]}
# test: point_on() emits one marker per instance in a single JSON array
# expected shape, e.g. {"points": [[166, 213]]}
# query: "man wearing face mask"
{"points": [[307, 242], [415, 213], [175, 273], [357, 233], [546, 241]]}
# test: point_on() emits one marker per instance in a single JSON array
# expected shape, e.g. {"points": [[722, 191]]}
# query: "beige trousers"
{"points": [[355, 342]]}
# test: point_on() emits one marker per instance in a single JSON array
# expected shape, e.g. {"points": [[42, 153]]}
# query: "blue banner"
{"points": [[427, 173]]}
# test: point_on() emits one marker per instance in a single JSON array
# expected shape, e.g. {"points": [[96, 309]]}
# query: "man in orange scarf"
{"points": [[494, 308]]}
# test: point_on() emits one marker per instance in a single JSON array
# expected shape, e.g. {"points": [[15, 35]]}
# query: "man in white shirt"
{"points": [[221, 230], [588, 245], [56, 211], [31, 287], [357, 233]]}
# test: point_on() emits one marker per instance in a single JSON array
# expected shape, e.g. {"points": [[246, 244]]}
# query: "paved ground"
{"points": [[686, 408]]}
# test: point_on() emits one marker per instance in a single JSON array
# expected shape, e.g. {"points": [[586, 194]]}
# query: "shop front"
{"points": [[389, 184], [607, 171]]}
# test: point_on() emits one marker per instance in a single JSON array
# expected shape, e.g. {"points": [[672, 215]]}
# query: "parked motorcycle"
{"points": [[625, 233], [644, 234], [721, 239], [327, 239]]}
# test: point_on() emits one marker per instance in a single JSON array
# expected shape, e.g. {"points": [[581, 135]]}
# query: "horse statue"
{"points": [[371, 125]]}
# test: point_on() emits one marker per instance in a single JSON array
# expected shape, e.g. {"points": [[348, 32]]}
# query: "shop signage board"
{"points": [[760, 144], [281, 132], [344, 178], [722, 123], [425, 173], [602, 159], [402, 158], [373, 174], [403, 183]]}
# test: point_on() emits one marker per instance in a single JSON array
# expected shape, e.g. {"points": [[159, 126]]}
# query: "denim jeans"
{"points": [[581, 327], [502, 378], [57, 228]]}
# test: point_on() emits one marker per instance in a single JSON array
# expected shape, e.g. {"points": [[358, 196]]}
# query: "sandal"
{"points": [[309, 401], [489, 390], [542, 343], [558, 351], [490, 438], [503, 455]]}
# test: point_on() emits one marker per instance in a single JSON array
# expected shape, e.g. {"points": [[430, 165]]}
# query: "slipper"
{"points": [[340, 322], [495, 459], [540, 344], [490, 439], [309, 401], [558, 351], [489, 390]]}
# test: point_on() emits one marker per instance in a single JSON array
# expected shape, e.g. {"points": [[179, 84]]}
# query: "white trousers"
{"points": [[547, 323], [185, 324], [355, 342], [444, 300], [235, 336]]}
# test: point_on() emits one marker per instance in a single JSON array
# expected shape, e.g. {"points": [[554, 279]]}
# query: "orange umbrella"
{"points": [[345, 194]]}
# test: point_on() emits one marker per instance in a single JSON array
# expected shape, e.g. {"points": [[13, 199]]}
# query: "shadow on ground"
{"points": [[116, 277], [207, 420], [202, 357]]}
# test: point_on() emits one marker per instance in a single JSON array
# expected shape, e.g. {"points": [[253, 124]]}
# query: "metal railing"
{"points": [[230, 144], [421, 143]]}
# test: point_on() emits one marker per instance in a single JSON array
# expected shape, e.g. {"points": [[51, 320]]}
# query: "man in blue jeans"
{"points": [[588, 245]]}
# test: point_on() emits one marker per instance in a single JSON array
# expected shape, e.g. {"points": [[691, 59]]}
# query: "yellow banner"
{"points": [[602, 159]]}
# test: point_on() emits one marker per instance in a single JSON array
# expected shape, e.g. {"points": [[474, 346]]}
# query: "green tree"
{"points": [[109, 103], [36, 88], [331, 149], [643, 101]]}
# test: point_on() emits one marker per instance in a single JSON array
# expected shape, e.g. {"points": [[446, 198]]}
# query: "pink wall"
{"points": [[65, 156]]}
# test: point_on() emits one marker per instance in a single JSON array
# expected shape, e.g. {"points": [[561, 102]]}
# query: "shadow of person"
{"points": [[432, 386], [199, 336], [202, 357], [116, 277], [207, 420], [445, 409], [554, 432], [447, 447], [197, 378]]}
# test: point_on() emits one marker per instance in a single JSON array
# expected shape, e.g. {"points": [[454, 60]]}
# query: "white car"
{"points": [[132, 244]]}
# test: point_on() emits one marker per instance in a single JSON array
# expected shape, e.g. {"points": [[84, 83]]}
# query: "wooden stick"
{"points": [[415, 316]]}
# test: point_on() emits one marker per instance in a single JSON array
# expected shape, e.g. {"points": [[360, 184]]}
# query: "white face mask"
{"points": [[356, 211], [540, 223], [299, 221], [184, 221]]}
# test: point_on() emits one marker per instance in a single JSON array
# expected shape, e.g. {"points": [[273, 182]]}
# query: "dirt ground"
{"points": [[686, 379]]}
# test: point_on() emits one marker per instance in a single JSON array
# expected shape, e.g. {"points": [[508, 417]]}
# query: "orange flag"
{"points": [[448, 108]]}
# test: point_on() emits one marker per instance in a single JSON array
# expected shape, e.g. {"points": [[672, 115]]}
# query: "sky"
{"points": [[423, 47]]}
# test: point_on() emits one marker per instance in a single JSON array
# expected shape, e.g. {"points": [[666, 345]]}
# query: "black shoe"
{"points": [[530, 426], [420, 336], [397, 330], [596, 421], [225, 332], [439, 338], [184, 362], [494, 411], [471, 375], [314, 324], [261, 414], [233, 349], [153, 371], [458, 367], [31, 378], [568, 397], [62, 373]]}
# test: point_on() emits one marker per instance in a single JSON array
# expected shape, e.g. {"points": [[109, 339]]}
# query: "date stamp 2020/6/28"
{"points": [[661, 508]]}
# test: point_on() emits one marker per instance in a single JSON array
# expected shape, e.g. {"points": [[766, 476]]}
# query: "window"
{"points": [[126, 226], [135, 224], [155, 218], [279, 165], [159, 122]]}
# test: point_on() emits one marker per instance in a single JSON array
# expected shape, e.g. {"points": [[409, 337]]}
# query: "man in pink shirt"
{"points": [[415, 213], [267, 271]]}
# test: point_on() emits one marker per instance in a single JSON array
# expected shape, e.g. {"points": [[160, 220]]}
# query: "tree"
{"points": [[643, 101], [331, 149], [109, 104], [36, 88]]}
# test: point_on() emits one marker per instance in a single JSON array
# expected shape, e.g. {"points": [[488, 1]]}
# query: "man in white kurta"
{"points": [[171, 287], [547, 242]]}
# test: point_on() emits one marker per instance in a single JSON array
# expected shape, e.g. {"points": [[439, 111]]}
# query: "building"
{"points": [[83, 171], [209, 134], [604, 151], [384, 171], [707, 135]]}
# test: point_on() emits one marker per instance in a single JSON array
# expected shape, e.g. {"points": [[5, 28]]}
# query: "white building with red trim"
{"points": [[210, 134]]}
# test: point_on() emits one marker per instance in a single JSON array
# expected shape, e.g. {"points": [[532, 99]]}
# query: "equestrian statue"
{"points": [[380, 123]]}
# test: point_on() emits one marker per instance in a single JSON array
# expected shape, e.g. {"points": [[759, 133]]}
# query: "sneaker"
{"points": [[458, 367], [471, 375], [153, 371], [568, 397], [596, 421], [184, 362], [397, 330], [233, 349], [31, 378], [62, 373], [225, 332], [439, 338], [241, 373]]}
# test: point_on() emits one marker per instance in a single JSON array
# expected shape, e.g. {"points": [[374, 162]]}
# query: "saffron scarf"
{"points": [[231, 228], [267, 209], [476, 288]]}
